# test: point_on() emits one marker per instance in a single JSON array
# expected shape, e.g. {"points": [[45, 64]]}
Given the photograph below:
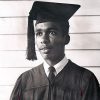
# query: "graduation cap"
{"points": [[46, 11]]}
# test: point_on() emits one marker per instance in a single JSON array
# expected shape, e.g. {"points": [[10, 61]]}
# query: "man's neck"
{"points": [[54, 61], [58, 67]]}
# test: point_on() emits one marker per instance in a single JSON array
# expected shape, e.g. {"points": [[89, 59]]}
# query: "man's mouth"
{"points": [[45, 50]]}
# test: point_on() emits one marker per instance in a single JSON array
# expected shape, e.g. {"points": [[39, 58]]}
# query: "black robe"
{"points": [[72, 83]]}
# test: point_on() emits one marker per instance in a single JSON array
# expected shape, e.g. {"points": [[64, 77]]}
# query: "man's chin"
{"points": [[46, 56]]}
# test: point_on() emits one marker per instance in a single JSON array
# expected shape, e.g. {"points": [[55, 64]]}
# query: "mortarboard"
{"points": [[46, 11]]}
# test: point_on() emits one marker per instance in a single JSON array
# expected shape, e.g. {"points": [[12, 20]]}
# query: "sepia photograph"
{"points": [[49, 50]]}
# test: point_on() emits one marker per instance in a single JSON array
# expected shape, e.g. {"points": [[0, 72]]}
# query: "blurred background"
{"points": [[83, 49]]}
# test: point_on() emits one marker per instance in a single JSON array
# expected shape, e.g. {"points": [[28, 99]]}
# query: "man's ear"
{"points": [[67, 39]]}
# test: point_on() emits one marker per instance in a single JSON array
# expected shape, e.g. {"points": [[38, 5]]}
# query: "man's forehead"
{"points": [[47, 25]]}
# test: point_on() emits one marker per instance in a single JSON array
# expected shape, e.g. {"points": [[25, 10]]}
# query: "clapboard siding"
{"points": [[84, 41], [78, 24], [5, 92], [13, 25], [81, 57], [13, 42], [85, 24], [14, 59], [22, 7], [11, 76], [77, 41], [83, 49]]}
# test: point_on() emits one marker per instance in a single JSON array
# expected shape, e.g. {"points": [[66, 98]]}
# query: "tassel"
{"points": [[31, 54]]}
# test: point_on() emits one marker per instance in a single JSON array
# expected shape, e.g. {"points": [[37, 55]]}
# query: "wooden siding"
{"points": [[83, 49]]}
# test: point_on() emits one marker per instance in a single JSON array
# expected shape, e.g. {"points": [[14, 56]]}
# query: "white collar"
{"points": [[58, 67]]}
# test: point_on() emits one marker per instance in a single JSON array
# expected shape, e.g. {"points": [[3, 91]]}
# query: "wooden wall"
{"points": [[83, 49]]}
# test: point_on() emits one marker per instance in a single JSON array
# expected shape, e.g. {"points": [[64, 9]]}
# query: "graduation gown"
{"points": [[72, 83]]}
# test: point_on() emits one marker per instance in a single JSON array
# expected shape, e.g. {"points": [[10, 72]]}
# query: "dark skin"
{"points": [[50, 41]]}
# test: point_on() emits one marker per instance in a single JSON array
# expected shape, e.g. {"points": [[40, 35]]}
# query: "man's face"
{"points": [[50, 40]]}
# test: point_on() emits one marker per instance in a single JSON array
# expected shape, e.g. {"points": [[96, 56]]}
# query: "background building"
{"points": [[83, 49]]}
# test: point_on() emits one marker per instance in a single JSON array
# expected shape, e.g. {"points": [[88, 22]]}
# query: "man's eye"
{"points": [[53, 33], [38, 33]]}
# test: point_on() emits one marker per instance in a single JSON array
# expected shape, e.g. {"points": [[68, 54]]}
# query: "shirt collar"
{"points": [[58, 67]]}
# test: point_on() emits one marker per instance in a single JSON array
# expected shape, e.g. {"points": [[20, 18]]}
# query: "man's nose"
{"points": [[45, 39]]}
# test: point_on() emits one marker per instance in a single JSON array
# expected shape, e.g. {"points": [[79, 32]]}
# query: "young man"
{"points": [[57, 78]]}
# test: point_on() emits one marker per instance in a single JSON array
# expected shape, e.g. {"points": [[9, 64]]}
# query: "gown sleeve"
{"points": [[17, 90], [92, 90]]}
